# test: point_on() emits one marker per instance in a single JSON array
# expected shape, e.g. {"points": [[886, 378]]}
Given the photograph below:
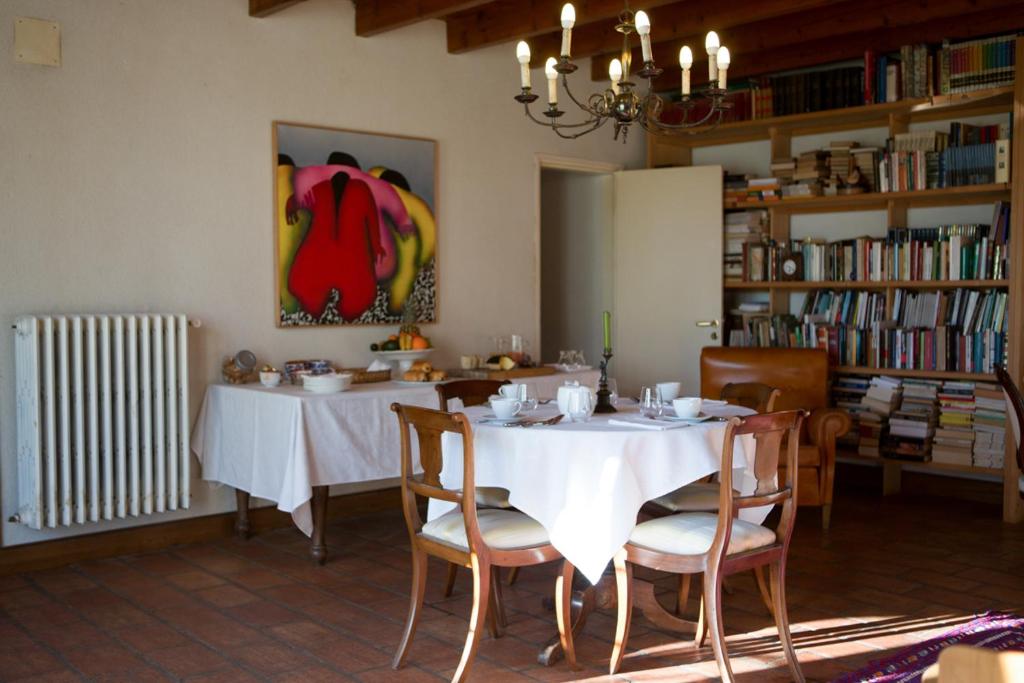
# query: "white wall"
{"points": [[576, 261], [137, 176]]}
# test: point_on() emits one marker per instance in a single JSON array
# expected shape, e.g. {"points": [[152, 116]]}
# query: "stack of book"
{"points": [[752, 190], [840, 159], [912, 426], [866, 161], [989, 426], [954, 439], [881, 398], [741, 228], [784, 168], [735, 187], [847, 392]]}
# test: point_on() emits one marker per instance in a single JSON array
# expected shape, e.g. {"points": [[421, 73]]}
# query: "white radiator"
{"points": [[102, 417]]}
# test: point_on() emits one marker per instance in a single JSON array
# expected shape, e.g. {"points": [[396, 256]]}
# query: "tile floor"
{"points": [[890, 573]]}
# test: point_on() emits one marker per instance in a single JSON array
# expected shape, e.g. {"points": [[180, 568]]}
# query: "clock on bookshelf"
{"points": [[792, 267]]}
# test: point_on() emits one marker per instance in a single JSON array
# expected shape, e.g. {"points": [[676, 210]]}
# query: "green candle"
{"points": [[607, 330]]}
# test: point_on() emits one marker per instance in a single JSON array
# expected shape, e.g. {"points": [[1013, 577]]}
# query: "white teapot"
{"points": [[566, 390]]}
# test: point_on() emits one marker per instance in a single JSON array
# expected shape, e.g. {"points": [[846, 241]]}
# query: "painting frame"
{"points": [[434, 210]]}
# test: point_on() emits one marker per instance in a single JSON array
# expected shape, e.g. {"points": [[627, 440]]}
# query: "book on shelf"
{"points": [[741, 229], [954, 437], [952, 252], [976, 64], [989, 426], [912, 425]]}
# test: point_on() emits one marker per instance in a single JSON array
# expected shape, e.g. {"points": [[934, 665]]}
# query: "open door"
{"points": [[668, 275]]}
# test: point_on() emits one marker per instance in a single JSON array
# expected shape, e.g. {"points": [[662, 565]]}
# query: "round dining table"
{"points": [[585, 482]]}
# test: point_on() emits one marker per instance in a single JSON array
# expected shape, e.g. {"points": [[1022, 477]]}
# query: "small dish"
{"points": [[492, 419]]}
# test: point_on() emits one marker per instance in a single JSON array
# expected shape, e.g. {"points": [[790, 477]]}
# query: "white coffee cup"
{"points": [[687, 406], [512, 390], [669, 390], [505, 408]]}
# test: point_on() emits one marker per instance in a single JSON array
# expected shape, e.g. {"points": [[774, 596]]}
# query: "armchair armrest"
{"points": [[823, 426]]}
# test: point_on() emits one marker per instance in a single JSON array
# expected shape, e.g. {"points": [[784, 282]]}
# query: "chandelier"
{"points": [[622, 102]]}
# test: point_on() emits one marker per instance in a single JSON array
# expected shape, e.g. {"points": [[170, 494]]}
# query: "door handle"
{"points": [[707, 323]]}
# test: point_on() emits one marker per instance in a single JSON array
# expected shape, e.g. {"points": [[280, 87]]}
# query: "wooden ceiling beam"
{"points": [[674, 22], [505, 20], [853, 45], [378, 16], [751, 43], [264, 8]]}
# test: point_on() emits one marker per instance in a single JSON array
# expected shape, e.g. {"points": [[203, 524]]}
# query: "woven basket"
{"points": [[361, 376]]}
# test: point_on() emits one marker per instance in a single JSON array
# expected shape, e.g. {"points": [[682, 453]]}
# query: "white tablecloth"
{"points": [[586, 482], [279, 443]]}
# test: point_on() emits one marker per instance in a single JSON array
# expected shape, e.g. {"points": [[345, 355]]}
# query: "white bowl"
{"points": [[405, 359], [327, 384], [270, 379], [669, 390], [687, 406]]}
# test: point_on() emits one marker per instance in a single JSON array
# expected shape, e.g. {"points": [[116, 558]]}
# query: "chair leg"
{"points": [[778, 579], [700, 636], [449, 585], [762, 586], [481, 593], [713, 602], [497, 607], [513, 574], [419, 587], [683, 595], [563, 613], [826, 515], [624, 595]]}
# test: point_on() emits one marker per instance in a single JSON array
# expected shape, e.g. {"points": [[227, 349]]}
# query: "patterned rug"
{"points": [[993, 630]]}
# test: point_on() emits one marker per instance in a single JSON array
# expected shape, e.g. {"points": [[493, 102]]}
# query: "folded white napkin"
{"points": [[713, 402], [647, 423], [378, 365]]}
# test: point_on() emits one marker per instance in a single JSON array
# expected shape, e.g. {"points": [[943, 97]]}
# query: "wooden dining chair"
{"points": [[479, 539], [1015, 417], [722, 544], [474, 392], [703, 496]]}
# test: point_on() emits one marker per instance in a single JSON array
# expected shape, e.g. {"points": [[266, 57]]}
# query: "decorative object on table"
{"points": [[622, 102], [371, 374], [328, 383], [296, 370], [269, 376], [240, 369], [604, 393], [403, 360], [422, 371], [992, 630], [355, 230], [568, 390]]}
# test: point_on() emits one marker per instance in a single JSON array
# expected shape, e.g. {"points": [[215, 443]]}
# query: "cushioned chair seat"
{"points": [[501, 529], [692, 534], [699, 496], [492, 497]]}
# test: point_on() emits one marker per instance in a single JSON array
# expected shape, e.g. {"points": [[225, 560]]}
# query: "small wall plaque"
{"points": [[36, 41]]}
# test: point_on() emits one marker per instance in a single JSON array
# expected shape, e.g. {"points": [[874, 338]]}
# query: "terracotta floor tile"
{"points": [[63, 676], [28, 660], [188, 660], [105, 660], [153, 637], [255, 579], [194, 580], [226, 595], [268, 659], [406, 675], [349, 654]]}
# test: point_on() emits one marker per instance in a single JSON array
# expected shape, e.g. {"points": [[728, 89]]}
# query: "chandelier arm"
{"points": [[554, 126], [656, 125], [597, 124], [585, 107]]}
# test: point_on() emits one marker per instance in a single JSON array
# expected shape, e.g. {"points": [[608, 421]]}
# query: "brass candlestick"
{"points": [[604, 397]]}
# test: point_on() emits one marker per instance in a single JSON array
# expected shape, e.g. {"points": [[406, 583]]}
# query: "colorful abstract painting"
{"points": [[355, 227]]}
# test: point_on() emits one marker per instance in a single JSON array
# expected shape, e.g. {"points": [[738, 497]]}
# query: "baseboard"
{"points": [[49, 554]]}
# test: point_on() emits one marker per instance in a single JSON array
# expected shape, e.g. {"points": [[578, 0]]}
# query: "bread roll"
{"points": [[438, 376], [422, 366], [415, 376]]}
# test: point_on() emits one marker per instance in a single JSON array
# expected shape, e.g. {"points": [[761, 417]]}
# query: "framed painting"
{"points": [[355, 227]]}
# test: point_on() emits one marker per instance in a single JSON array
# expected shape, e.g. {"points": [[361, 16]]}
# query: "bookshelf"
{"points": [[897, 118]]}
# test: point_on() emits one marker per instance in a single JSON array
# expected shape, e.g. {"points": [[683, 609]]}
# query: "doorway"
{"points": [[576, 228]]}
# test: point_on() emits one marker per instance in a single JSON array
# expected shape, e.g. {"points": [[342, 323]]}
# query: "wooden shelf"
{"points": [[977, 103], [849, 456], [809, 285], [923, 374], [879, 201]]}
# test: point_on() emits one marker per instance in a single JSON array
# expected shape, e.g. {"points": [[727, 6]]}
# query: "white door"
{"points": [[668, 275]]}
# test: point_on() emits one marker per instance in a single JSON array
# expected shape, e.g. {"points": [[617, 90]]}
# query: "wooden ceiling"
{"points": [[764, 36]]}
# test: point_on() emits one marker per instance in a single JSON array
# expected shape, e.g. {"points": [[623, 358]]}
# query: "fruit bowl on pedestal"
{"points": [[404, 359]]}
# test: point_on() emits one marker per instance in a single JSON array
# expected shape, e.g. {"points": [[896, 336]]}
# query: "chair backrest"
{"points": [[757, 396], [770, 432], [472, 392], [430, 426], [963, 663], [800, 374], [1016, 410]]}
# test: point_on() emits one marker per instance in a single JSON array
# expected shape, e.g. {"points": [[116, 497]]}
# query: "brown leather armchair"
{"points": [[802, 376]]}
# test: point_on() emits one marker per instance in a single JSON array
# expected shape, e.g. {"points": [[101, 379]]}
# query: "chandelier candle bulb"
{"points": [[723, 66], [523, 55], [549, 71], [568, 19], [615, 74], [685, 62], [711, 45], [643, 27]]}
